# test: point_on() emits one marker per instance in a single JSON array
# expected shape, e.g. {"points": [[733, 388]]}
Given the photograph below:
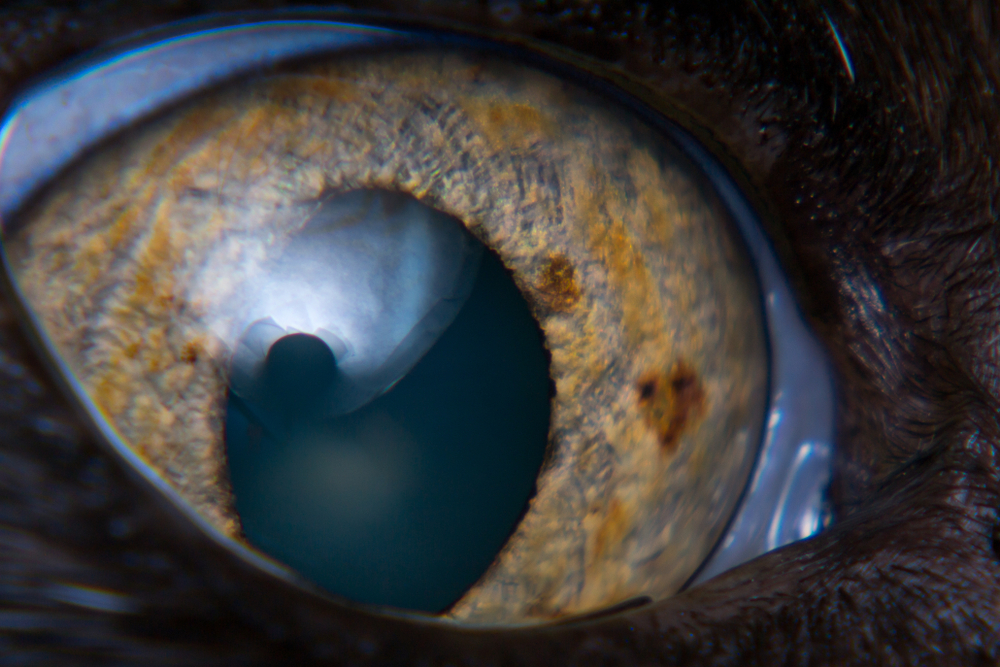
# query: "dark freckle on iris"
{"points": [[190, 353], [671, 402], [647, 390], [557, 287]]}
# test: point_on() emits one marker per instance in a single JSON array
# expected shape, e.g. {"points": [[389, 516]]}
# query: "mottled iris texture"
{"points": [[877, 163], [137, 265]]}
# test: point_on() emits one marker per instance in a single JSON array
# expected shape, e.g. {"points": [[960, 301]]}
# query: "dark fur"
{"points": [[883, 193]]}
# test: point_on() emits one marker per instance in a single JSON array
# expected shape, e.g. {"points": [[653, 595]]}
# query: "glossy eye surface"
{"points": [[328, 214]]}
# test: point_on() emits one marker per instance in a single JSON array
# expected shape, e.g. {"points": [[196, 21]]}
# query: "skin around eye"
{"points": [[138, 263]]}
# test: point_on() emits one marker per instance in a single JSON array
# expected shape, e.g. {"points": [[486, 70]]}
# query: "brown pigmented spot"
{"points": [[557, 288], [191, 351], [671, 402]]}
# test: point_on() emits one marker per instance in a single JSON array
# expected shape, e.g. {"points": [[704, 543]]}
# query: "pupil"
{"points": [[406, 500]]}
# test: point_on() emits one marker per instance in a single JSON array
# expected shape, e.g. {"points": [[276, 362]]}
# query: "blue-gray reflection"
{"points": [[377, 275]]}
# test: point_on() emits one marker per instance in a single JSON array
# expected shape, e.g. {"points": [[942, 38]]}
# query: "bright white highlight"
{"points": [[376, 275]]}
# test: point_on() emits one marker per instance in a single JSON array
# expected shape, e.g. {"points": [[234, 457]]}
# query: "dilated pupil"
{"points": [[406, 500]]}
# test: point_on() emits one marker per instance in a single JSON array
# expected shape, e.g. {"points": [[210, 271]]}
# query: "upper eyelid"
{"points": [[785, 440]]}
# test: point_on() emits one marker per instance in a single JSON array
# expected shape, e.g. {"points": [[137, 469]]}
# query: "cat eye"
{"points": [[438, 323]]}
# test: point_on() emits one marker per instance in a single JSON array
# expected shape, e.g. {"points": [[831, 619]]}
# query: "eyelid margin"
{"points": [[784, 496]]}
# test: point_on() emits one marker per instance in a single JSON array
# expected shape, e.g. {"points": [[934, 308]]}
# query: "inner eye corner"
{"points": [[338, 267]]}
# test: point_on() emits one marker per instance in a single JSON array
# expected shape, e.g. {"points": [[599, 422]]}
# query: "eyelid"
{"points": [[793, 465]]}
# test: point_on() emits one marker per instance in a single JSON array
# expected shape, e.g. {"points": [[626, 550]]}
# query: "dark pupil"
{"points": [[407, 500]]}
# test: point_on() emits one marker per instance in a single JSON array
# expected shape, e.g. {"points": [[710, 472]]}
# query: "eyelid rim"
{"points": [[778, 481]]}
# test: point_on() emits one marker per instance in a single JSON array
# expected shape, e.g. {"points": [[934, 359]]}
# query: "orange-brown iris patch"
{"points": [[614, 526], [671, 402], [556, 286]]}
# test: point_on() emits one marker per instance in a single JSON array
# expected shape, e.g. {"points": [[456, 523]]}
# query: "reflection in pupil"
{"points": [[298, 369], [406, 500]]}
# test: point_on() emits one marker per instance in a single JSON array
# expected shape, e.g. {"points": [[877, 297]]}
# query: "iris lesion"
{"points": [[139, 261]]}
